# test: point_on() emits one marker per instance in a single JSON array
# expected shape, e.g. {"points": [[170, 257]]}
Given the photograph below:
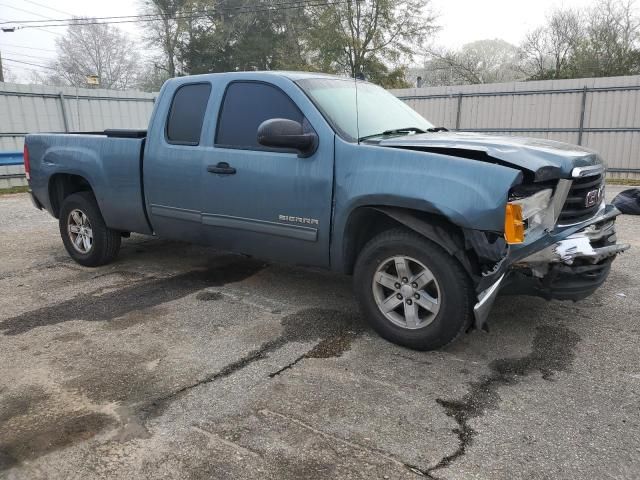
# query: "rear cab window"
{"points": [[186, 115], [245, 106]]}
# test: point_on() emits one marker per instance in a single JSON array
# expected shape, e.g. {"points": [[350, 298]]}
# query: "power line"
{"points": [[49, 8], [114, 17], [31, 13], [27, 63], [13, 45], [13, 52], [194, 15], [160, 15], [23, 68]]}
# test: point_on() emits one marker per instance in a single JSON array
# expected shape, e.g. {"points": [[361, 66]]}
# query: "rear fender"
{"points": [[61, 160]]}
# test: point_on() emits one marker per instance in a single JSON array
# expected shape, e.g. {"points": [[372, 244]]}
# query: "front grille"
{"points": [[575, 209]]}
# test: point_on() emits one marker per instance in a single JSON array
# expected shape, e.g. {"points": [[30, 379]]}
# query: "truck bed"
{"points": [[110, 162]]}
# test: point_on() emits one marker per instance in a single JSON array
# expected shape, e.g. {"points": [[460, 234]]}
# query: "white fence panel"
{"points": [[36, 108], [599, 113]]}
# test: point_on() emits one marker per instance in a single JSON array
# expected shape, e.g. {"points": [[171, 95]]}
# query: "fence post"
{"points": [[582, 109], [65, 119], [459, 111]]}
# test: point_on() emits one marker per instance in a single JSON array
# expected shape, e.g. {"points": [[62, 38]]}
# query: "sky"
{"points": [[462, 21], [465, 21]]}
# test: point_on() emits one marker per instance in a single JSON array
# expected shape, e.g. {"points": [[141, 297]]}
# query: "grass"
{"points": [[623, 181], [19, 189]]}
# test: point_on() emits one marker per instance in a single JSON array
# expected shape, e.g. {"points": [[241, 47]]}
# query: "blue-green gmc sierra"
{"points": [[313, 169]]}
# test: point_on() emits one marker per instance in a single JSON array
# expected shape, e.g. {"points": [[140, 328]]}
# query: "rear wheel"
{"points": [[84, 234], [411, 291]]}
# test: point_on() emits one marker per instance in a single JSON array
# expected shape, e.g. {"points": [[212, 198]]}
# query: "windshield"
{"points": [[378, 110]]}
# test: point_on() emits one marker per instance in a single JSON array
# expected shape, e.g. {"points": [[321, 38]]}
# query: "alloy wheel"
{"points": [[406, 292], [80, 232]]}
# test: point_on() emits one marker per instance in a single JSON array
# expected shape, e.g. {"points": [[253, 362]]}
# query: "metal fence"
{"points": [[36, 108], [599, 113]]}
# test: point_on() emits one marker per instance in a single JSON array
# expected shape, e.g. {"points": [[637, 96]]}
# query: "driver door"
{"points": [[262, 201]]}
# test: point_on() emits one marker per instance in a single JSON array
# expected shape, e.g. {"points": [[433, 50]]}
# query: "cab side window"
{"points": [[246, 105], [184, 123]]}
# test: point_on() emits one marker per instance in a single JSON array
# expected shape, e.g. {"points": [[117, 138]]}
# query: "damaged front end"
{"points": [[567, 243]]}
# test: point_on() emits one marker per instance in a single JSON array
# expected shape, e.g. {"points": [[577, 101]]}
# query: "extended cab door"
{"points": [[263, 201], [173, 159]]}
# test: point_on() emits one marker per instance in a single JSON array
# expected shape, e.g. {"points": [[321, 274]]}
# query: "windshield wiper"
{"points": [[400, 130], [403, 130], [392, 132]]}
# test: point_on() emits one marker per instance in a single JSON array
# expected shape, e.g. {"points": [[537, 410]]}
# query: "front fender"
{"points": [[468, 193]]}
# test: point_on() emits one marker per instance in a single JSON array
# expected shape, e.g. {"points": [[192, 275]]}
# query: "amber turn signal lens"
{"points": [[513, 224]]}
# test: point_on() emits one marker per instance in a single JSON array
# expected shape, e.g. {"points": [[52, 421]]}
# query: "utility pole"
{"points": [[1, 72]]}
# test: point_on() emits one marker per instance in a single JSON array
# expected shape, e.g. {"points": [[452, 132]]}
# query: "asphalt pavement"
{"points": [[178, 361]]}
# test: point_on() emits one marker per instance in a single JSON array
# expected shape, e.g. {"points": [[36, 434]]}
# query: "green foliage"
{"points": [[240, 36], [10, 190], [376, 37]]}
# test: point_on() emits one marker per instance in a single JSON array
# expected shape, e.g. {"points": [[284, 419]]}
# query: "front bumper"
{"points": [[566, 264]]}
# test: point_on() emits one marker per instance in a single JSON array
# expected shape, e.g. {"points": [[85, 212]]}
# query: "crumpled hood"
{"points": [[546, 159]]}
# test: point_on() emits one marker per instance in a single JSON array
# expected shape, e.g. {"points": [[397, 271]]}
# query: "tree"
{"points": [[612, 42], [547, 51], [243, 35], [166, 31], [483, 61], [151, 77], [376, 37], [602, 41], [9, 75], [96, 49]]}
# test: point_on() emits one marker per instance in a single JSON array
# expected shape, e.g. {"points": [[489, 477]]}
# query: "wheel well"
{"points": [[366, 222], [61, 185]]}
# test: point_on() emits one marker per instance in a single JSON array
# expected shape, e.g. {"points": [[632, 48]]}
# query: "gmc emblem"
{"points": [[594, 197]]}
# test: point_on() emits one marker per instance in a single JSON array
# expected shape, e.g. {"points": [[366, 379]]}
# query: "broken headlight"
{"points": [[535, 209]]}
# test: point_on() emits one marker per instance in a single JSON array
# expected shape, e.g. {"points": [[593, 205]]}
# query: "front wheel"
{"points": [[84, 234], [411, 291]]}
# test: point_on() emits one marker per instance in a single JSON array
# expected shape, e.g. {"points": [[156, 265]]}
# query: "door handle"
{"points": [[222, 168]]}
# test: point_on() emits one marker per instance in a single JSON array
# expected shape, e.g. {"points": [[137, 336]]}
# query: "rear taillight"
{"points": [[27, 165]]}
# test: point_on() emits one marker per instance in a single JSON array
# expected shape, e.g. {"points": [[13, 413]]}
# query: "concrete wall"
{"points": [[599, 113]]}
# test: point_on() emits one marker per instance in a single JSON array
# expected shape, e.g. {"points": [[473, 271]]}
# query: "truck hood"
{"points": [[545, 159]]}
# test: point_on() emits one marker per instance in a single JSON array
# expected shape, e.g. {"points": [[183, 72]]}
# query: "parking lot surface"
{"points": [[177, 361]]}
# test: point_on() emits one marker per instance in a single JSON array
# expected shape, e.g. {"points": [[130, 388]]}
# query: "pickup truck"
{"points": [[324, 171]]}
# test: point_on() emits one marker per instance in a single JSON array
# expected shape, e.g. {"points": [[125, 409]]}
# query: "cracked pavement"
{"points": [[177, 361]]}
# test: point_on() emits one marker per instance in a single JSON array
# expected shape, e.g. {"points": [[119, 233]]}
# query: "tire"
{"points": [[102, 243], [448, 296]]}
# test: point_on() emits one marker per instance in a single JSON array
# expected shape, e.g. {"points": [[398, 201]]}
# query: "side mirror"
{"points": [[283, 133]]}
